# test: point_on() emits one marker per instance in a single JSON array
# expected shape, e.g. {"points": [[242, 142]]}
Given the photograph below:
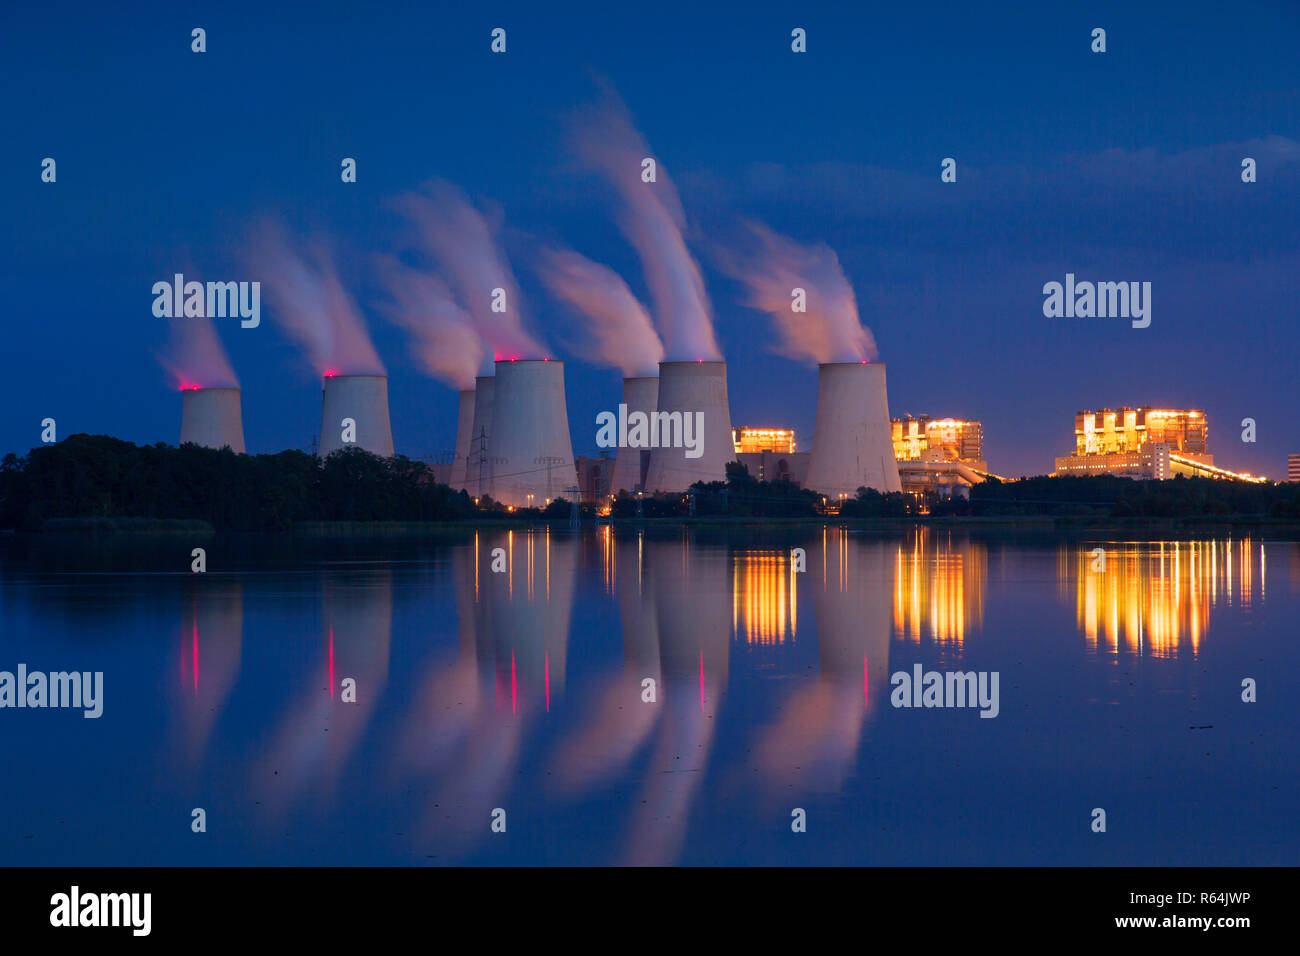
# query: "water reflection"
{"points": [[319, 732], [938, 586], [814, 740], [764, 605], [1154, 598], [642, 681], [208, 656]]}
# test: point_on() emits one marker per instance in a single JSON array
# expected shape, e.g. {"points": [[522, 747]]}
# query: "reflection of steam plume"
{"points": [[523, 614], [814, 741], [829, 331], [691, 598], [460, 239], [310, 302], [442, 335], [624, 336], [519, 619], [653, 221], [210, 652], [313, 745], [623, 718], [195, 356]]}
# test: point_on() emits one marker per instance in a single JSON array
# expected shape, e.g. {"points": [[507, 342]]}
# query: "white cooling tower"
{"points": [[362, 401], [478, 466], [639, 395], [464, 428], [530, 445], [212, 417], [852, 443], [689, 388]]}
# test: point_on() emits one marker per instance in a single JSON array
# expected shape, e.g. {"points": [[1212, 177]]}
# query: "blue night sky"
{"points": [[1119, 166]]}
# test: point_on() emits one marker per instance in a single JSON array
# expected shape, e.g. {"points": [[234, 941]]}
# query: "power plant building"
{"points": [[1143, 443], [938, 439], [770, 454]]}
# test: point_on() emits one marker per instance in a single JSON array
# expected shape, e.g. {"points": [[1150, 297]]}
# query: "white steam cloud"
{"points": [[195, 356], [622, 333], [309, 301], [653, 222], [465, 247], [443, 339], [829, 330]]}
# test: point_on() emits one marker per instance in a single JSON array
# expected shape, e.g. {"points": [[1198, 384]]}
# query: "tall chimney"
{"points": [[639, 395], [212, 417], [478, 466], [852, 443], [690, 387], [530, 444], [464, 428], [362, 400]]}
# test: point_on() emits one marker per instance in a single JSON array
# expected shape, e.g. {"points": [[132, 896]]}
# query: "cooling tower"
{"points": [[212, 417], [478, 466], [852, 443], [688, 388], [464, 428], [362, 399], [639, 395], [530, 446]]}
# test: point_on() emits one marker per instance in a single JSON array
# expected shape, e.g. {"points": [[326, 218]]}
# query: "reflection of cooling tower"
{"points": [[636, 609], [464, 428], [210, 650], [359, 625], [478, 466], [690, 387], [530, 441], [852, 443], [852, 583], [524, 611], [692, 599], [212, 417], [364, 400], [639, 395]]}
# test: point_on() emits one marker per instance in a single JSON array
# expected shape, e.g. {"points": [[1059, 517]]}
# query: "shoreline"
{"points": [[130, 527]]}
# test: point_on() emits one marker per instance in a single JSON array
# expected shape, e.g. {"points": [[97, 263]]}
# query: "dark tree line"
{"points": [[96, 476], [1111, 496], [99, 476], [740, 496]]}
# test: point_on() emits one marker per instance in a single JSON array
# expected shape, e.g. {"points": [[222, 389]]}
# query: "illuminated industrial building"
{"points": [[944, 456], [769, 454], [754, 440], [938, 439], [1141, 442]]}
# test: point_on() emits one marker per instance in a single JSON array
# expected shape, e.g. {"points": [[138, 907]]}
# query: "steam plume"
{"points": [[195, 356], [624, 336], [460, 239], [653, 222], [309, 301], [442, 334], [829, 331]]}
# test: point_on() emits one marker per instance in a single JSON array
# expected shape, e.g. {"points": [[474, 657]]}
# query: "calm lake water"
{"points": [[524, 690]]}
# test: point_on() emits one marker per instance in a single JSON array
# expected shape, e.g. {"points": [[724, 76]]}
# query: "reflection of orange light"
{"points": [[762, 597], [1154, 598], [938, 587]]}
